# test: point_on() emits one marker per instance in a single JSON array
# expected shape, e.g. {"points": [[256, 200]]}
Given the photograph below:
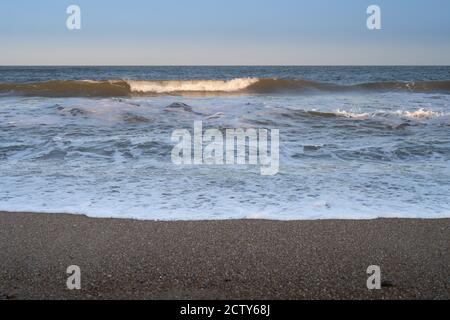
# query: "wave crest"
{"points": [[170, 86], [121, 88]]}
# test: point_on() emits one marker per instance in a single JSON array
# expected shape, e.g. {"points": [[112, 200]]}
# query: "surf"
{"points": [[126, 88]]}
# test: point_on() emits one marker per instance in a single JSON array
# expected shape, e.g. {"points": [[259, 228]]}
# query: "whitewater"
{"points": [[349, 148]]}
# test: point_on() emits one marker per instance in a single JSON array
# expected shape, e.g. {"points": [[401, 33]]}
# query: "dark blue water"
{"points": [[338, 75]]}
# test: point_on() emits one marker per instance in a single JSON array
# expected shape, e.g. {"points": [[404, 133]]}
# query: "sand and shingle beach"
{"points": [[236, 259]]}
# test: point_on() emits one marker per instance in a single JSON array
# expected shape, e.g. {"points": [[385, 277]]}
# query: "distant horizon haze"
{"points": [[228, 33]]}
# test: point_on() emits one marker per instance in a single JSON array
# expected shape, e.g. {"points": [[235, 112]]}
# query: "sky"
{"points": [[225, 32]]}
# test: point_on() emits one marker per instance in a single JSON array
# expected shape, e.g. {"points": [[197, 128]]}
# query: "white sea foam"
{"points": [[352, 115], [191, 85], [422, 114], [85, 156]]}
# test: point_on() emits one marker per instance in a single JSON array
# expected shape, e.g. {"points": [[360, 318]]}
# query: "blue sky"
{"points": [[224, 32]]}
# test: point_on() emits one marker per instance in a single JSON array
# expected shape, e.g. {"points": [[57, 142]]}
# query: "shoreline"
{"points": [[222, 259], [249, 218]]}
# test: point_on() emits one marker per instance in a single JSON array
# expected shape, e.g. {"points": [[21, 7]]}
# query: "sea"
{"points": [[354, 142]]}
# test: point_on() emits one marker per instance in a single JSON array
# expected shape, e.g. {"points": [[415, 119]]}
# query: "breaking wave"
{"points": [[418, 115], [170, 86], [119, 88]]}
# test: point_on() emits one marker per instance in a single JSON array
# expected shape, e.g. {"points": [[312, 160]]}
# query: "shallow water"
{"points": [[383, 152]]}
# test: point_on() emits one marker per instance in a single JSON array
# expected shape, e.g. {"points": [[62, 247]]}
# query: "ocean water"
{"points": [[355, 142]]}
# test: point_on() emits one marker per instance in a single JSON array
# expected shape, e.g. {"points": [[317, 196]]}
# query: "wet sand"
{"points": [[243, 259]]}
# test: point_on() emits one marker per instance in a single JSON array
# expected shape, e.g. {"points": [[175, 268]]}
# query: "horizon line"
{"points": [[225, 65]]}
